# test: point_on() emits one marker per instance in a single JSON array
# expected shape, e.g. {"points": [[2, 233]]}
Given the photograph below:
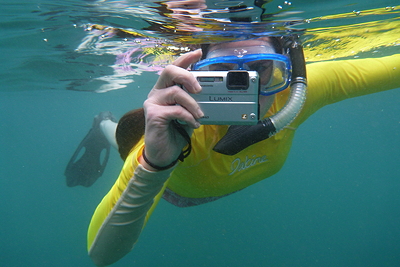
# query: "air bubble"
{"points": [[356, 12], [280, 7]]}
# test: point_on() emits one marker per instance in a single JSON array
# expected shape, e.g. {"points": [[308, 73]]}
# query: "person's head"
{"points": [[264, 55], [273, 61]]}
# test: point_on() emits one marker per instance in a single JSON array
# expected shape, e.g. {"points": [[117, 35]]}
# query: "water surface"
{"points": [[335, 202]]}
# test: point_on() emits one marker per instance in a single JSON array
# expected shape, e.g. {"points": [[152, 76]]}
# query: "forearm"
{"points": [[344, 79], [120, 217], [123, 225], [334, 81]]}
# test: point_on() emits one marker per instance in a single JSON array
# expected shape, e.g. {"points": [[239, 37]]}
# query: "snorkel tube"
{"points": [[240, 137], [298, 91]]}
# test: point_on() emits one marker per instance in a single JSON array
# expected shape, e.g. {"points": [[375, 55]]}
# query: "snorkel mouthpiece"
{"points": [[240, 137]]}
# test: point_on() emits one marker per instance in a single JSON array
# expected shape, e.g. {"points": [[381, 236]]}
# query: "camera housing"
{"points": [[228, 97]]}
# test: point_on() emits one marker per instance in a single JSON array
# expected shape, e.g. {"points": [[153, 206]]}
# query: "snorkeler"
{"points": [[190, 164]]}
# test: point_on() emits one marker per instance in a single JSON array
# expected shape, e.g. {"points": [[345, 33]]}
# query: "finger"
{"points": [[187, 59], [173, 75], [168, 114], [170, 76], [176, 96]]}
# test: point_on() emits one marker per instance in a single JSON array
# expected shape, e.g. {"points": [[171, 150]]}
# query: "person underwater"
{"points": [[169, 154]]}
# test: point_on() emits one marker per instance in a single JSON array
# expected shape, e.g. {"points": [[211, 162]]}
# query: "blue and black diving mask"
{"points": [[274, 69]]}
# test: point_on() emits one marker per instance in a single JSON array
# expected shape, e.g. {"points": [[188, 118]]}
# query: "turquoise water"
{"points": [[334, 203]]}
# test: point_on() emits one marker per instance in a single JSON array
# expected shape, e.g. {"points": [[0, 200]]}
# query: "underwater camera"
{"points": [[228, 97]]}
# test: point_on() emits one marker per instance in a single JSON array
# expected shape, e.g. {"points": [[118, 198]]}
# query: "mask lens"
{"points": [[223, 66], [274, 69], [279, 79], [261, 66]]}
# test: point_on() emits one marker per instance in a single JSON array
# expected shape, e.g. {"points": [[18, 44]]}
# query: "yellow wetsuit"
{"points": [[121, 215]]}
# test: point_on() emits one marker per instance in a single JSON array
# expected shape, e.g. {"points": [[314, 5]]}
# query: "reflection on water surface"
{"points": [[140, 36]]}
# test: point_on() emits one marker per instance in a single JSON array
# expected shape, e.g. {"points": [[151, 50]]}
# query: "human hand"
{"points": [[167, 102]]}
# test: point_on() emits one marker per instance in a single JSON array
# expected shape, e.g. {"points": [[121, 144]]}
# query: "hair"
{"points": [[130, 130], [277, 44]]}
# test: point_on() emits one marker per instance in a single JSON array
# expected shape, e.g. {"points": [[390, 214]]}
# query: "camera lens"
{"points": [[237, 80]]}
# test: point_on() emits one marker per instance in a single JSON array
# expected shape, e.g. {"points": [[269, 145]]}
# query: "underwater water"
{"points": [[334, 203]]}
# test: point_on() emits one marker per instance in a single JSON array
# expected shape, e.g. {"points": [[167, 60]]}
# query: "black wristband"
{"points": [[184, 154], [158, 168]]}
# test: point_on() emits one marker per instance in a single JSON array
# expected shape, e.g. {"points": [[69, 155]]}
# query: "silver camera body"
{"points": [[228, 97]]}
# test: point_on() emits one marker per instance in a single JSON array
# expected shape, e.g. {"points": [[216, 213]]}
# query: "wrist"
{"points": [[147, 164]]}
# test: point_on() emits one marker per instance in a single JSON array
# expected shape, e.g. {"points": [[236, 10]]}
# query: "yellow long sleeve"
{"points": [[333, 81]]}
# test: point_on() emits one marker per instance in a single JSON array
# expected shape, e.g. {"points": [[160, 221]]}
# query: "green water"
{"points": [[334, 203]]}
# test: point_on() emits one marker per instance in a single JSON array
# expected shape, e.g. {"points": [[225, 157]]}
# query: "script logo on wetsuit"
{"points": [[240, 165]]}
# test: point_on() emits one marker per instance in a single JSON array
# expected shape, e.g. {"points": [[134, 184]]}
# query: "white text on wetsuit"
{"points": [[240, 165]]}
